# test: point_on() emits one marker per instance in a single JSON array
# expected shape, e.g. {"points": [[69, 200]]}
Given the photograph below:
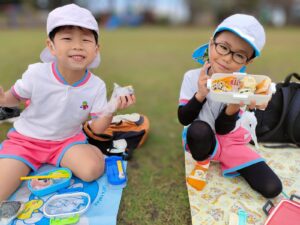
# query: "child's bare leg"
{"points": [[85, 161], [10, 172]]}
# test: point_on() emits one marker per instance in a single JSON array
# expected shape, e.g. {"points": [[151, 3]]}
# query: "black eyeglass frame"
{"points": [[230, 52]]}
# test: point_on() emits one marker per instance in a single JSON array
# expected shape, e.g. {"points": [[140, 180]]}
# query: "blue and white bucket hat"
{"points": [[245, 26], [70, 15]]}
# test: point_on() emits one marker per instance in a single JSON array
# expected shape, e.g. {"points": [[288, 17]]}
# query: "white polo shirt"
{"points": [[57, 109], [211, 109]]}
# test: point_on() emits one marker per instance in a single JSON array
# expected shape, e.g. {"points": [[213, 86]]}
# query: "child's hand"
{"points": [[126, 101], [253, 105], [202, 83], [2, 94], [233, 108]]}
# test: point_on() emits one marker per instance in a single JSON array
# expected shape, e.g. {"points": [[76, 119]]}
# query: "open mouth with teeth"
{"points": [[77, 58]]}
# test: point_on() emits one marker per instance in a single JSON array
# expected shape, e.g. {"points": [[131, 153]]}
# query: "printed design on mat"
{"points": [[33, 212], [222, 196]]}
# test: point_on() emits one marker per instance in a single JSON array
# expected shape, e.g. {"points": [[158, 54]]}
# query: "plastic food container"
{"points": [[287, 212], [240, 87], [41, 186], [115, 171], [67, 205]]}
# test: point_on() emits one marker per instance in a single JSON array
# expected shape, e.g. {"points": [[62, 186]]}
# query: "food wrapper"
{"points": [[112, 105]]}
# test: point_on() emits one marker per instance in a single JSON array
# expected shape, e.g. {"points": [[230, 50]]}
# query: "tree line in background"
{"points": [[203, 12]]}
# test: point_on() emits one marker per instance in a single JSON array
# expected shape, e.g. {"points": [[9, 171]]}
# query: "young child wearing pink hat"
{"points": [[212, 129], [63, 93]]}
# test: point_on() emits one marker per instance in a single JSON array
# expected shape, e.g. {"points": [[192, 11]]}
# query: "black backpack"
{"points": [[280, 122]]}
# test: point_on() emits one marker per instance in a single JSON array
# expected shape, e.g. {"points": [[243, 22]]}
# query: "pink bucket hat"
{"points": [[72, 15]]}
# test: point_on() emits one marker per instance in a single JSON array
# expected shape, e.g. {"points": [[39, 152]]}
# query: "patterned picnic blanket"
{"points": [[221, 196]]}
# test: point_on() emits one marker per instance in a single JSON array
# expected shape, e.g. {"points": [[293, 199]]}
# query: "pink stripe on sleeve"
{"points": [[16, 95], [183, 101]]}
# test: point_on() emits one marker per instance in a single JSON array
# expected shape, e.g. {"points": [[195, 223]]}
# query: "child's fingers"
{"points": [[125, 101], [252, 105], [262, 106], [204, 70], [133, 99], [130, 100], [232, 108], [1, 92]]}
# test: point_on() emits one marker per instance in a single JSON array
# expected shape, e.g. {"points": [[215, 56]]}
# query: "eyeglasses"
{"points": [[237, 57]]}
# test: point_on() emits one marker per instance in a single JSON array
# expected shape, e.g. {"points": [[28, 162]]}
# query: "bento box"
{"points": [[287, 212], [50, 181], [240, 87]]}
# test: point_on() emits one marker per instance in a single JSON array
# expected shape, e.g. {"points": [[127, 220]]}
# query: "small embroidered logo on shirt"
{"points": [[84, 105]]}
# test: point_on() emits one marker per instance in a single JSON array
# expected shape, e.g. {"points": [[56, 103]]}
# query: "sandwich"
{"points": [[263, 87], [247, 85]]}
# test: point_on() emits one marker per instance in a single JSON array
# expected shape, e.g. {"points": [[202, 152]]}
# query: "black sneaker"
{"points": [[9, 114]]}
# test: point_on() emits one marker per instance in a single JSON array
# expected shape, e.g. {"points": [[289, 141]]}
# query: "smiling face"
{"points": [[225, 63], [74, 47]]}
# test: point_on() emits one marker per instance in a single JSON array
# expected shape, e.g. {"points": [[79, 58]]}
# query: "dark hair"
{"points": [[57, 29], [218, 33]]}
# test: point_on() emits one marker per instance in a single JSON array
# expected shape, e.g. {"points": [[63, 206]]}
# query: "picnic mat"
{"points": [[105, 202], [222, 196]]}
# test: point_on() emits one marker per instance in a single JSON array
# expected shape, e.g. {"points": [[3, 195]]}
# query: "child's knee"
{"points": [[91, 171], [271, 189], [200, 140]]}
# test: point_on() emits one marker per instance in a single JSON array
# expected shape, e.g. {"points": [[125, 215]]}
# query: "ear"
{"points": [[249, 62], [50, 46], [211, 40], [97, 48]]}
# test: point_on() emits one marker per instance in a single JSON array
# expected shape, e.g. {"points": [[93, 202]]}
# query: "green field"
{"points": [[153, 60]]}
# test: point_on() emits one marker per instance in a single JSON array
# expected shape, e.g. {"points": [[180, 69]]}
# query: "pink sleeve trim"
{"points": [[183, 101], [15, 94], [94, 115]]}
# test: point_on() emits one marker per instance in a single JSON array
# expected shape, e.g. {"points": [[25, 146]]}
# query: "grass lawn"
{"points": [[153, 60]]}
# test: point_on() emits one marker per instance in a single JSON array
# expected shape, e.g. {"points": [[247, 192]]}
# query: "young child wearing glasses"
{"points": [[212, 130]]}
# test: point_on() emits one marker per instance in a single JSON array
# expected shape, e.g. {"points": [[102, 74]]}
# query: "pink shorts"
{"points": [[34, 152], [232, 151]]}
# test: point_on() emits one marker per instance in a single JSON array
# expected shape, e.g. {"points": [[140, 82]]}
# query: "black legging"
{"points": [[201, 141]]}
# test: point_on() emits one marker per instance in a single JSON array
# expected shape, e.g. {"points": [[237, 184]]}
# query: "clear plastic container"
{"points": [[67, 205], [226, 88]]}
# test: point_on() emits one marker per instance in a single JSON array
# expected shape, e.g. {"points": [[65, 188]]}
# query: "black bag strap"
{"points": [[288, 78], [285, 101], [294, 111]]}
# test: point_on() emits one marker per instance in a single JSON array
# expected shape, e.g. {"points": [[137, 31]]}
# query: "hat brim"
{"points": [[47, 57], [72, 23], [199, 55]]}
